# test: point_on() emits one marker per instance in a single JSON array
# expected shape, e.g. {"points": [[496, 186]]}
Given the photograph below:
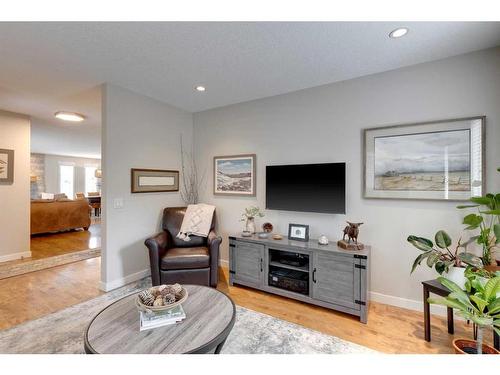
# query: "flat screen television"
{"points": [[306, 187]]}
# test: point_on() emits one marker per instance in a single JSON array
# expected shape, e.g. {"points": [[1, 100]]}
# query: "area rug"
{"points": [[253, 332]]}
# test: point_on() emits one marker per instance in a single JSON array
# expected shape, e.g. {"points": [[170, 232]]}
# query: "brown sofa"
{"points": [[173, 260], [48, 215]]}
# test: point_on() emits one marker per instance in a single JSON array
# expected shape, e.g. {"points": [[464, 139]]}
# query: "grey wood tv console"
{"points": [[337, 278]]}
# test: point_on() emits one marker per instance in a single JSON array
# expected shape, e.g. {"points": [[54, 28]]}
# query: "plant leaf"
{"points": [[494, 307], [467, 206], [420, 243], [419, 259], [463, 298], [481, 321], [449, 303], [480, 303], [477, 285], [442, 239], [496, 230], [467, 286], [440, 267], [485, 201], [491, 288], [450, 285], [491, 212], [471, 259], [472, 220], [432, 259]]}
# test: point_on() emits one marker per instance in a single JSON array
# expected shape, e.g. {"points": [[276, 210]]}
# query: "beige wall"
{"points": [[15, 198], [324, 124], [138, 132]]}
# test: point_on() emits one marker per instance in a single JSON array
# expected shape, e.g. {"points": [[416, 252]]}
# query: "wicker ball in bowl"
{"points": [[161, 298]]}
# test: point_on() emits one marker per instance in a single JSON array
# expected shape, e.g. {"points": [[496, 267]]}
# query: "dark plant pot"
{"points": [[463, 346]]}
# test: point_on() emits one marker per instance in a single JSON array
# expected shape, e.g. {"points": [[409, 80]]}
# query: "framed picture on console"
{"points": [[235, 175], [439, 160], [298, 232]]}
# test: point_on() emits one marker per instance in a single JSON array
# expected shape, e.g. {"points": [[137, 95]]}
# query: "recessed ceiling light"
{"points": [[398, 33], [69, 116], [200, 88]]}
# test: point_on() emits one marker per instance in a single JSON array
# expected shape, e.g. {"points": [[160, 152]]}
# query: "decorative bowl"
{"points": [[267, 227], [181, 297]]}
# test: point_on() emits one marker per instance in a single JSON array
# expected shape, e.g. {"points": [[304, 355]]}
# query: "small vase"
{"points": [[250, 225], [456, 274]]}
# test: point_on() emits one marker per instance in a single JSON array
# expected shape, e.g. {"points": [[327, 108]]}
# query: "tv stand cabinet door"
{"points": [[336, 279], [248, 264]]}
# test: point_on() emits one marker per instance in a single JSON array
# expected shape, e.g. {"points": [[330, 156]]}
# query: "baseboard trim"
{"points": [[15, 256], [405, 303], [106, 287]]}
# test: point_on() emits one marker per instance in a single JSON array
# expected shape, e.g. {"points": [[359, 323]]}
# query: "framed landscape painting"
{"points": [[441, 160], [235, 175], [6, 166]]}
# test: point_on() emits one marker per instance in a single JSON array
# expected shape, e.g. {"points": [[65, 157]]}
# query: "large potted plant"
{"points": [[445, 261], [479, 302]]}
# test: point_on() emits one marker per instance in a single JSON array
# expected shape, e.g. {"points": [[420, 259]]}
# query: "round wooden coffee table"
{"points": [[210, 316]]}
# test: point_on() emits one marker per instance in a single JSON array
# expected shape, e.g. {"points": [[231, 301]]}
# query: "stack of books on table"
{"points": [[149, 320]]}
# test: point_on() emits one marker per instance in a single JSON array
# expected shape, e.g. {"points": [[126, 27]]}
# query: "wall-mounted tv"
{"points": [[306, 187]]}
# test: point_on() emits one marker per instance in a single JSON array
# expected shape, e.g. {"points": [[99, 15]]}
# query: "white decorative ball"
{"points": [[323, 240]]}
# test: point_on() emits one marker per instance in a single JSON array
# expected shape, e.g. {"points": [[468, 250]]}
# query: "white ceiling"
{"points": [[47, 67]]}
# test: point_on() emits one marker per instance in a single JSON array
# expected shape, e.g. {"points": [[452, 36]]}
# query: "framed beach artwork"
{"points": [[6, 167], [235, 175], [441, 160]]}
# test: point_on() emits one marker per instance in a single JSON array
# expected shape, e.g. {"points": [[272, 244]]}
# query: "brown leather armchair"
{"points": [[176, 261]]}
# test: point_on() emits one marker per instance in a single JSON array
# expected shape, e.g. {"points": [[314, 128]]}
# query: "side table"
{"points": [[434, 286]]}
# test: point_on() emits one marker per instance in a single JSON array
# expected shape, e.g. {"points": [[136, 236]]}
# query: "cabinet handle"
{"points": [[314, 275], [261, 269]]}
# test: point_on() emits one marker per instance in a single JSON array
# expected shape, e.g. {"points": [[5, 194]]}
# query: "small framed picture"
{"points": [[6, 167], [298, 232], [153, 180]]}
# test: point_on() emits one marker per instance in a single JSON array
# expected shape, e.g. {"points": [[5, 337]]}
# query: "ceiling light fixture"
{"points": [[398, 33], [200, 88], [69, 116]]}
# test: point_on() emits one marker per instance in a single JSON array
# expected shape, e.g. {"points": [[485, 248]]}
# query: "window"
{"points": [[90, 180], [66, 180]]}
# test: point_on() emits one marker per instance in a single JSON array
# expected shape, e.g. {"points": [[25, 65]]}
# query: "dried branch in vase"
{"points": [[191, 182]]}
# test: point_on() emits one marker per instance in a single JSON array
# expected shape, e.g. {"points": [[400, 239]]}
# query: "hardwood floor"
{"points": [[390, 329], [51, 244], [35, 294], [54, 249]]}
